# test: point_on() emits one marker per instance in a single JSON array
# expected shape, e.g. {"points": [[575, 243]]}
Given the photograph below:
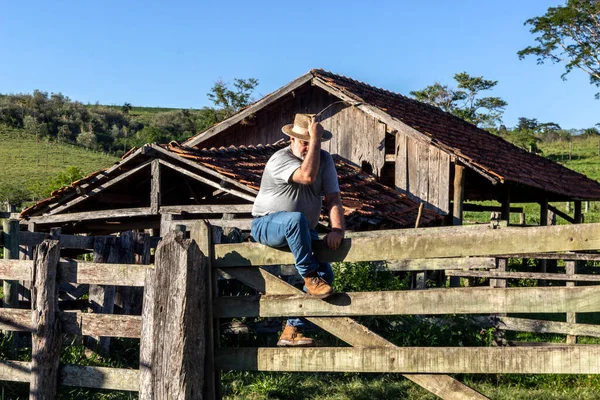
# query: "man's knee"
{"points": [[295, 221]]}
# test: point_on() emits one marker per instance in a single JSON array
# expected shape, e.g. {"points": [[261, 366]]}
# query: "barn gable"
{"points": [[411, 146]]}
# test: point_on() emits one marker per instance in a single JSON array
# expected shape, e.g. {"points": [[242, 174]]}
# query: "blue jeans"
{"points": [[285, 228]]}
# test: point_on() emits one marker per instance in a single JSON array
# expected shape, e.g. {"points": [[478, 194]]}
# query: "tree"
{"points": [[464, 101], [126, 107], [231, 101], [568, 34], [87, 139]]}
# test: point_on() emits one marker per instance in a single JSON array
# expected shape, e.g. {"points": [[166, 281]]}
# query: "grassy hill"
{"points": [[27, 164]]}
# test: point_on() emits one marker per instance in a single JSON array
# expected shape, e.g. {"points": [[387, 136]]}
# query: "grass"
{"points": [[27, 163]]}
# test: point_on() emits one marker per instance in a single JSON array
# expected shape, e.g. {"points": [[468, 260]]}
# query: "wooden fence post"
{"points": [[202, 233], [174, 319], [46, 337], [11, 252]]}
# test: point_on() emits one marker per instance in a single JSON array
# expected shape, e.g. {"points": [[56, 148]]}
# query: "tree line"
{"points": [[116, 129]]}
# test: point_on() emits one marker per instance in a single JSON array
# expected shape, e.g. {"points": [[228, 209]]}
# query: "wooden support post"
{"points": [[27, 254], [11, 252], [506, 205], [155, 192], [135, 249], [543, 222], [571, 268], [522, 219], [457, 211], [173, 340], [102, 297], [46, 336], [202, 233]]}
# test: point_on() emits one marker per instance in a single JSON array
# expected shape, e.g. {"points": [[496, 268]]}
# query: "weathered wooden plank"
{"points": [[433, 197], [66, 241], [102, 273], [178, 318], [401, 166], [75, 375], [208, 182], [435, 301], [524, 275], [444, 185], [10, 232], [46, 338], [540, 326], [428, 264], [102, 297], [355, 334], [555, 256], [459, 360], [423, 244], [155, 192], [80, 272], [15, 371], [571, 269], [91, 215], [209, 209], [98, 189], [203, 234], [99, 377]]}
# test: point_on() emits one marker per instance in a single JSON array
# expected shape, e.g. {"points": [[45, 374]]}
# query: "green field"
{"points": [[29, 164]]}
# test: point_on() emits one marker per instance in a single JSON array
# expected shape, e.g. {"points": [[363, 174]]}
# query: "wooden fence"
{"points": [[180, 355]]}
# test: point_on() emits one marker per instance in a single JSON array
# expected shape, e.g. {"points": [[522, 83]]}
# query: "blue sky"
{"points": [[169, 54]]}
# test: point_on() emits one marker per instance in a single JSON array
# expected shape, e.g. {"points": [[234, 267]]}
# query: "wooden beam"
{"points": [[478, 300], [561, 214], [66, 241], [555, 256], [208, 181], [10, 233], [541, 326], [92, 215], [155, 192], [202, 168], [484, 208], [355, 334], [98, 189], [209, 209], [413, 245], [265, 101], [525, 275], [456, 360]]}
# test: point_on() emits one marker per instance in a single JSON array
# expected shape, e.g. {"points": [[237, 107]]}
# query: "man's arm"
{"points": [[307, 173], [336, 217]]}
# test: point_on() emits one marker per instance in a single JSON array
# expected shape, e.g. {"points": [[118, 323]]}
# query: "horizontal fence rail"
{"points": [[477, 300], [418, 243], [431, 360], [76, 375]]}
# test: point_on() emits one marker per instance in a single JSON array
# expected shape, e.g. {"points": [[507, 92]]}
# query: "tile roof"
{"points": [[366, 202], [484, 150], [362, 196]]}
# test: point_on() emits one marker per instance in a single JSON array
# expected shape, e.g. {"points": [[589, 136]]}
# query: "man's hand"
{"points": [[315, 129], [334, 239]]}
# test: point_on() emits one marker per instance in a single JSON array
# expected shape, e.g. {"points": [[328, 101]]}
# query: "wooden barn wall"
{"points": [[356, 136], [423, 173]]}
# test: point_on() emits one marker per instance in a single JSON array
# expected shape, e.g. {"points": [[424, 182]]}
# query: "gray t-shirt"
{"points": [[278, 192]]}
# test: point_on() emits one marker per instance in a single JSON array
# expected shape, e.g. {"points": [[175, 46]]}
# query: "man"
{"points": [[288, 207]]}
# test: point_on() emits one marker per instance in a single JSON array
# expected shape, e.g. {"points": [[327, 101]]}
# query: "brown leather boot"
{"points": [[316, 286], [292, 337]]}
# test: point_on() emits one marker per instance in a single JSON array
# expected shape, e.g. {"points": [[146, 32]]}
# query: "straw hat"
{"points": [[299, 129]]}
